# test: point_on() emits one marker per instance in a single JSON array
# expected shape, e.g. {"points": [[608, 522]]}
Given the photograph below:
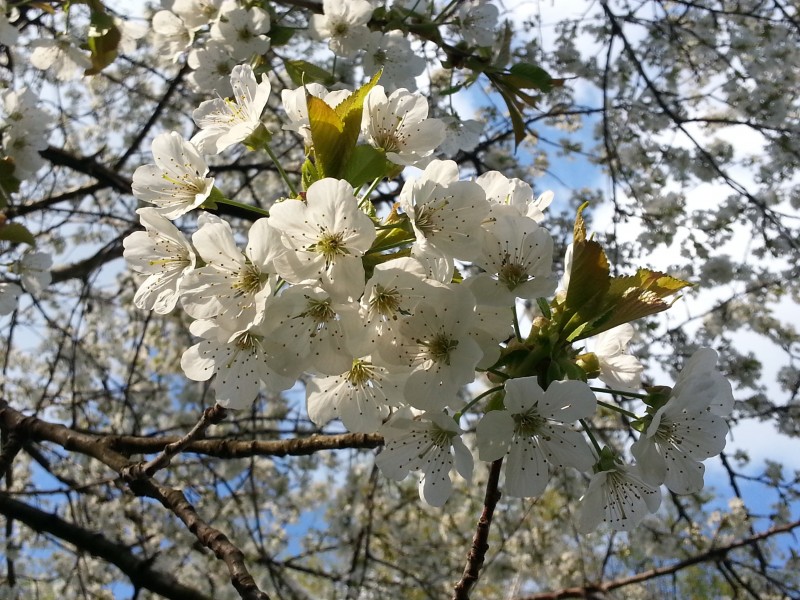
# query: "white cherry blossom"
{"points": [[446, 213], [232, 283], [517, 257], [225, 122], [327, 235], [211, 63], [533, 432], [435, 343], [618, 370], [177, 182], [343, 23], [242, 30], [307, 330], [392, 52], [162, 253], [618, 497], [360, 397], [237, 358], [430, 443], [399, 125], [60, 57], [686, 429], [34, 271]]}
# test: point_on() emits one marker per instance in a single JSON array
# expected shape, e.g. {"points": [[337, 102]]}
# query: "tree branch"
{"points": [[712, 554], [140, 571], [480, 543]]}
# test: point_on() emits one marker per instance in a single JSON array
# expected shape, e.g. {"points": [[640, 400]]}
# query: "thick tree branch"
{"points": [[140, 571]]}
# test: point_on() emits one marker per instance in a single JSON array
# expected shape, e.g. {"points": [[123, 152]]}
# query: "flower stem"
{"points": [[282, 173], [477, 399], [368, 193], [618, 409], [516, 324], [248, 207], [591, 437], [619, 392]]}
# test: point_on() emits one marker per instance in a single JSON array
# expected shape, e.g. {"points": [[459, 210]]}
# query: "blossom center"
{"points": [[425, 219], [250, 280], [360, 373], [320, 310], [331, 245], [511, 274], [439, 348], [528, 424], [385, 302]]}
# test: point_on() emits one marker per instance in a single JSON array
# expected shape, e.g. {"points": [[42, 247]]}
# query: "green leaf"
{"points": [[350, 111], [365, 165], [302, 72], [589, 277], [280, 36], [544, 307], [309, 174], [504, 45], [16, 234], [517, 121], [530, 77], [326, 133], [103, 41]]}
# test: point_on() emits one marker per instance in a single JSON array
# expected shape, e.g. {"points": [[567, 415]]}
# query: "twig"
{"points": [[480, 542], [712, 554], [210, 416]]}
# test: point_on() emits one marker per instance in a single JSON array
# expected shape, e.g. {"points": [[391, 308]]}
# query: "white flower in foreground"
{"points": [[177, 183], [435, 343], [533, 432], [432, 444], [307, 330], [686, 429], [9, 295], [343, 23], [618, 497], [446, 214], [34, 271], [225, 122], [360, 397], [162, 253], [328, 234], [393, 291], [399, 125], [618, 370], [518, 259], [237, 358], [232, 284]]}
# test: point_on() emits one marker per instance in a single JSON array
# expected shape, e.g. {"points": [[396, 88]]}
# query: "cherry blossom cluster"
{"points": [[387, 319], [24, 128]]}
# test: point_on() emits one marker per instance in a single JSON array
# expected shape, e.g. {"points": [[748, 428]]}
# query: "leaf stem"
{"points": [[282, 173]]}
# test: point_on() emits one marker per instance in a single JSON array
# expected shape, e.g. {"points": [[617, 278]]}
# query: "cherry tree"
{"points": [[304, 300]]}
